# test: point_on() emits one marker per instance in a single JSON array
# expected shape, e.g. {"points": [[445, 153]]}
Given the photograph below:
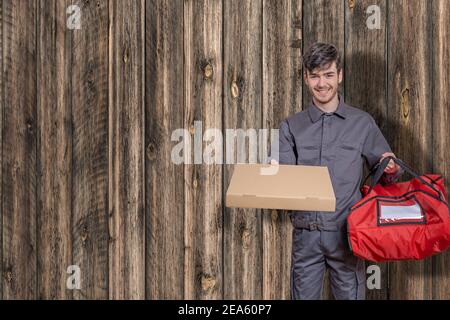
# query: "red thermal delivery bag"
{"points": [[400, 221]]}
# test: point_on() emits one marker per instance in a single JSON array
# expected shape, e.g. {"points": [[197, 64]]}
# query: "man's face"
{"points": [[323, 84]]}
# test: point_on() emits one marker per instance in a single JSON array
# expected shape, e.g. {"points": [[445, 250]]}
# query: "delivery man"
{"points": [[330, 133]]}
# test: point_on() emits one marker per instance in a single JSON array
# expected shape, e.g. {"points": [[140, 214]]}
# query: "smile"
{"points": [[322, 91]]}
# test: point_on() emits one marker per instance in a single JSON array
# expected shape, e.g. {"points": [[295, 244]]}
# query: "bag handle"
{"points": [[379, 170], [371, 173]]}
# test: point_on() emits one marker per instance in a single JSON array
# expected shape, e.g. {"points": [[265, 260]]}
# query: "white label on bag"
{"points": [[401, 212]]}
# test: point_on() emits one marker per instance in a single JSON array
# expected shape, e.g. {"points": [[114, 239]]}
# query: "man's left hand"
{"points": [[392, 167]]}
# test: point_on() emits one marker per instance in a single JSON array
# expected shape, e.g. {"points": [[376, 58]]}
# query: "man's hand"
{"points": [[273, 162], [392, 167]]}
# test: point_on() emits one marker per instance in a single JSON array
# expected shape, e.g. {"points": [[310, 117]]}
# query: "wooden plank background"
{"points": [[87, 120], [365, 54], [243, 246], [164, 186], [409, 106], [55, 151], [19, 148], [282, 44]]}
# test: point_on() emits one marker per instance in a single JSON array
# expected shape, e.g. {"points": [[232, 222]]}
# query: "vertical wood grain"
{"points": [[440, 107], [19, 150], [90, 149], [281, 97], [365, 82], [1, 149], [203, 182], [243, 110], [54, 187], [409, 111], [323, 21], [126, 138], [164, 183]]}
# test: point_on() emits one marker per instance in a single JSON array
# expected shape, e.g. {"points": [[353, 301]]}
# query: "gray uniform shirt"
{"points": [[342, 141]]}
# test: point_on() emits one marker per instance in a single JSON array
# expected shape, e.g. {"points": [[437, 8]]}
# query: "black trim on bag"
{"points": [[423, 221], [396, 197], [348, 240], [433, 180]]}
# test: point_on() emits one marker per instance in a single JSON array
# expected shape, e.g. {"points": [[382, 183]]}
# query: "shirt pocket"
{"points": [[348, 163], [308, 155]]}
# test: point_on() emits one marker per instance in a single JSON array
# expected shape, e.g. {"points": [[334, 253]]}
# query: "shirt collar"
{"points": [[315, 113]]}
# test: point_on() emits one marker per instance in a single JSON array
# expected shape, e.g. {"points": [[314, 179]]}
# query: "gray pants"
{"points": [[315, 250]]}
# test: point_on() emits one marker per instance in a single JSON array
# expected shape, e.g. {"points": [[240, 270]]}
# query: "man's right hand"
{"points": [[274, 162]]}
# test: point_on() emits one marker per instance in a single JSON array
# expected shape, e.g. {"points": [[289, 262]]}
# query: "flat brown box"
{"points": [[306, 188]]}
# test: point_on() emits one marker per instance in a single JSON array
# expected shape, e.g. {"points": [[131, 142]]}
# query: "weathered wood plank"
{"points": [[323, 21], [203, 182], [126, 151], [408, 111], [164, 192], [19, 150], [441, 118], [1, 151], [90, 149], [54, 187], [365, 81], [281, 96], [242, 92]]}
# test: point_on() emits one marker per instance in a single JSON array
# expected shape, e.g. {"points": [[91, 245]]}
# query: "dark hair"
{"points": [[321, 55]]}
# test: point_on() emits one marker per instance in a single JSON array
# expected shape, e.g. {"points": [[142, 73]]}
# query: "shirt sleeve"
{"points": [[374, 147], [286, 152]]}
